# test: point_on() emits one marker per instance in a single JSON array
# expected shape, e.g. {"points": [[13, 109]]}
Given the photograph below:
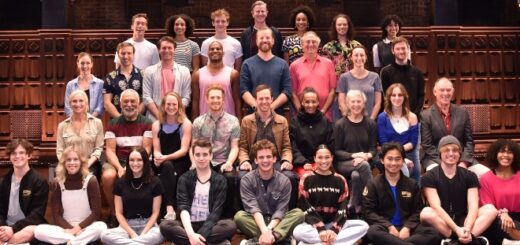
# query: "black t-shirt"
{"points": [[137, 198], [452, 192]]}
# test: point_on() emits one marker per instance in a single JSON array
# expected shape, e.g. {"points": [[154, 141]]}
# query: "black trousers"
{"points": [[173, 231], [231, 205], [421, 235]]}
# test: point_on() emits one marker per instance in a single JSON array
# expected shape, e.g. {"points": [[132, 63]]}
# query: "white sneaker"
{"points": [[510, 242], [483, 240]]}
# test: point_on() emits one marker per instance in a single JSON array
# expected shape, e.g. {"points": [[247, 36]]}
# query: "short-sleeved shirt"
{"points": [[232, 49], [339, 54], [116, 83], [146, 53], [219, 131], [185, 51], [200, 205], [138, 196], [128, 134], [292, 45], [370, 85], [14, 213], [452, 192]]}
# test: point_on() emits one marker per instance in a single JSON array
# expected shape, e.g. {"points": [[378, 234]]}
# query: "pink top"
{"points": [[501, 193], [320, 76], [167, 80], [223, 78]]}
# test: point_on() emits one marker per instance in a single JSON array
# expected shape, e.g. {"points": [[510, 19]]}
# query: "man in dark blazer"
{"points": [[444, 118]]}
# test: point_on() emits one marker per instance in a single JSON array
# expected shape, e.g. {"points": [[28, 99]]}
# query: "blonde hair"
{"points": [[80, 56], [79, 93], [220, 12], [181, 114], [61, 171]]}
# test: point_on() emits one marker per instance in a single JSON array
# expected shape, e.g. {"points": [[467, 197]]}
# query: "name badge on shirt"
{"points": [[365, 191], [406, 194], [26, 193]]}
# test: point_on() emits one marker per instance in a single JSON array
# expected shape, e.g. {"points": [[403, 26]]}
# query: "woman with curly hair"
{"points": [[499, 187], [187, 52], [302, 19]]}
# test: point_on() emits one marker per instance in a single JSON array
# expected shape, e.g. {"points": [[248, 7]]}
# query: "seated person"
{"points": [[75, 201], [323, 197], [23, 195], [200, 201], [392, 203], [308, 129], [222, 130], [444, 118], [457, 218], [265, 196], [267, 124], [499, 188], [137, 198]]}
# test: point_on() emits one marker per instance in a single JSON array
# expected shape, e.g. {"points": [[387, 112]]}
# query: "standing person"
{"points": [[400, 70], [323, 197], [87, 82], [200, 201], [163, 77], [444, 118], [145, 52], [392, 203], [171, 142], [215, 72], [24, 195], [265, 194], [341, 44], [302, 20], [398, 123], [127, 75], [452, 195], [83, 131], [265, 68], [187, 52], [248, 38], [137, 198], [123, 133], [355, 137], [382, 51], [76, 203], [309, 129], [312, 70], [222, 130], [360, 78], [231, 46], [499, 188]]}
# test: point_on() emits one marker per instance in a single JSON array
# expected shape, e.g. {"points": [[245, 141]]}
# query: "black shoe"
{"points": [[112, 222]]}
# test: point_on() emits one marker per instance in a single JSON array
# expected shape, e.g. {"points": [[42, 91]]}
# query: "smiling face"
{"points": [[220, 22], [393, 161], [72, 163], [301, 22], [323, 160], [78, 103], [19, 157], [264, 100], [259, 13], [310, 44], [264, 40], [179, 26], [129, 105], [359, 57], [139, 26], [356, 105], [397, 98], [126, 56], [171, 105], [392, 29], [400, 51], [166, 50], [85, 65], [215, 52], [136, 164], [505, 157], [450, 154], [443, 92], [265, 160], [341, 26], [215, 100], [310, 103]]}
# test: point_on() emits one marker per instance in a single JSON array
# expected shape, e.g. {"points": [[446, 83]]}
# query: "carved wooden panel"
{"points": [[480, 91], [59, 90], [19, 64], [481, 61], [466, 91], [495, 63], [511, 88], [4, 99], [33, 68], [496, 122], [4, 68], [35, 94], [5, 121], [495, 93], [26, 124], [49, 95], [479, 116], [18, 96], [510, 117]]}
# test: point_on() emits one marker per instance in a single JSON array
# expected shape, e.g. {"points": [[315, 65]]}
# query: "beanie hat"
{"points": [[449, 139]]}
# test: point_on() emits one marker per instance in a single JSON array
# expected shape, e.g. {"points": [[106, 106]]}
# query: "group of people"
{"points": [[240, 164]]}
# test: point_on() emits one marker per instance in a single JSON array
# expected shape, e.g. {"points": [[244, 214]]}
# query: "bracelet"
{"points": [[502, 211]]}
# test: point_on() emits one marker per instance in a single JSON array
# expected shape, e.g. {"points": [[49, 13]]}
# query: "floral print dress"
{"points": [[339, 54]]}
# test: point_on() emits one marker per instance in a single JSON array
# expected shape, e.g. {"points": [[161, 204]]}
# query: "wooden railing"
{"points": [[484, 64]]}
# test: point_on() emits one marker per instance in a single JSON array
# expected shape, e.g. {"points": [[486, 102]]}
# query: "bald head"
{"points": [[443, 91]]}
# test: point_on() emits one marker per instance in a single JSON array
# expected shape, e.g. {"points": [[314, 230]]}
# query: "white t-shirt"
{"points": [[146, 54], [14, 212], [200, 204], [232, 49]]}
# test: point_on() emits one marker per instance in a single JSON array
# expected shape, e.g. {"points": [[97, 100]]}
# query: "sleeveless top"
{"points": [[170, 143], [384, 51], [223, 77], [76, 206]]}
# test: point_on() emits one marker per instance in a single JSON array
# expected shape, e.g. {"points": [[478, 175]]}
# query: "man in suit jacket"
{"points": [[444, 118]]}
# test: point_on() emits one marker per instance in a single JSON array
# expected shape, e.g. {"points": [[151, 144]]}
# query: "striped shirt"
{"points": [[128, 134], [185, 51]]}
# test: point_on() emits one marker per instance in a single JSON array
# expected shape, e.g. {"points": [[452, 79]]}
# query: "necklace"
{"points": [[136, 188]]}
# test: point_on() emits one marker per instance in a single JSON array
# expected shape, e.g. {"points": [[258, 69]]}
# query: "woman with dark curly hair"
{"points": [[302, 19], [382, 50], [499, 187], [187, 52]]}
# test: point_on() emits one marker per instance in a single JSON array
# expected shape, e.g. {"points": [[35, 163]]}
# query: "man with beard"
{"points": [[123, 133], [124, 77], [249, 36], [163, 77], [265, 68], [145, 52], [215, 72]]}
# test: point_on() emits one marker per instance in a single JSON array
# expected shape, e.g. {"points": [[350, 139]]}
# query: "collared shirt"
{"points": [[220, 131], [339, 54], [264, 131], [90, 139], [116, 83], [318, 75], [272, 202], [95, 95], [446, 118]]}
